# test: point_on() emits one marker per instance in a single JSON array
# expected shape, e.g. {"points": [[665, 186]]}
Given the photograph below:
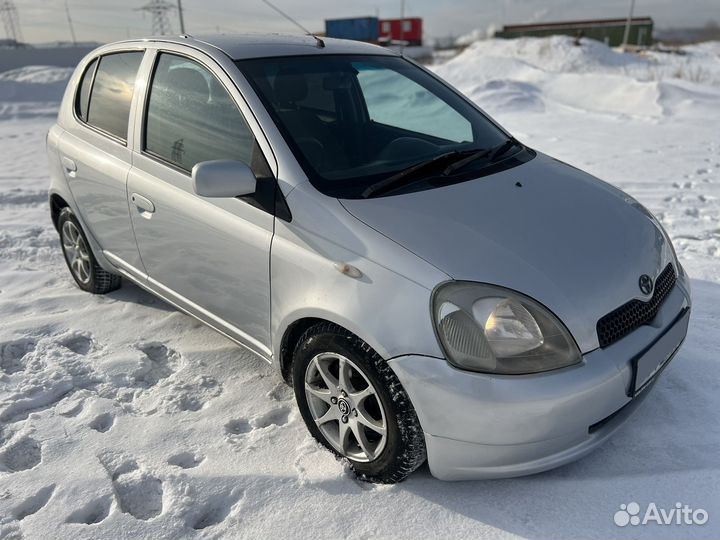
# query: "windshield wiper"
{"points": [[503, 149], [406, 176], [460, 164], [492, 154]]}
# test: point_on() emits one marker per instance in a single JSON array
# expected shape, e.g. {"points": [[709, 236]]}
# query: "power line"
{"points": [[70, 23], [159, 10], [11, 21], [180, 16]]}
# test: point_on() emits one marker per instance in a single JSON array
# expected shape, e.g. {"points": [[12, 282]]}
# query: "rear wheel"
{"points": [[81, 262], [353, 404]]}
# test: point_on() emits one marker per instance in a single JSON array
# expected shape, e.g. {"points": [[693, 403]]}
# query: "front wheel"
{"points": [[354, 405]]}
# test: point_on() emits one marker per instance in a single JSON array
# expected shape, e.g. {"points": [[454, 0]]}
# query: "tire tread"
{"points": [[102, 281], [412, 453]]}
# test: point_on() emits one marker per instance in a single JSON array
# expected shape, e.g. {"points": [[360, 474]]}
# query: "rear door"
{"points": [[211, 256], [94, 151]]}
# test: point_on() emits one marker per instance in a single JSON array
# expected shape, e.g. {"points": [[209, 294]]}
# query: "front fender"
{"points": [[388, 306]]}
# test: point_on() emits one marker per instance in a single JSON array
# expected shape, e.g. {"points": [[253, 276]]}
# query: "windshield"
{"points": [[353, 121]]}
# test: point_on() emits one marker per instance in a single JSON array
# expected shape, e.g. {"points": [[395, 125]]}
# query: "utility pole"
{"points": [[159, 10], [11, 22], [626, 37], [70, 23], [180, 16]]}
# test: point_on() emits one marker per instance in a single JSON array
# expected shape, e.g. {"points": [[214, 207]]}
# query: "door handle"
{"points": [[145, 205], [68, 164]]}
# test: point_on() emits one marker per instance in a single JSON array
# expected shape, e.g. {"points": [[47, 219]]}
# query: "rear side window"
{"points": [[82, 99], [112, 92], [191, 118]]}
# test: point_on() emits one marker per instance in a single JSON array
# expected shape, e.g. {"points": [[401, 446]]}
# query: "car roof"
{"points": [[246, 46]]}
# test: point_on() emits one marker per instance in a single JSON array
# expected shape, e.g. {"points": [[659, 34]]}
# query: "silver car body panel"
{"points": [[251, 276], [485, 426], [562, 237], [395, 286], [243, 46]]}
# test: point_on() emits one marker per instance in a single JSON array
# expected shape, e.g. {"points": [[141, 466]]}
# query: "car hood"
{"points": [[544, 228]]}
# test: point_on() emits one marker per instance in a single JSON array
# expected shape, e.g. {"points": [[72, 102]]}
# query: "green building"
{"points": [[609, 31]]}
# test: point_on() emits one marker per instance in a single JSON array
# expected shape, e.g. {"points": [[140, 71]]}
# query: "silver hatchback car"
{"points": [[431, 287]]}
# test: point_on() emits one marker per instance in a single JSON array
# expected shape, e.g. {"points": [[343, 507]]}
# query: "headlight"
{"points": [[495, 330]]}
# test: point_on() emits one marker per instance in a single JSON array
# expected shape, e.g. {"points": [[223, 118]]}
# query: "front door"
{"points": [[211, 256]]}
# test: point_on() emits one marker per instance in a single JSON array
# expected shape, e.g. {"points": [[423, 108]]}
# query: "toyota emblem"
{"points": [[646, 284]]}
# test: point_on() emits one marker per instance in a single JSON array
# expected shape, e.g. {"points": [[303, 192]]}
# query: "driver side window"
{"points": [[192, 118]]}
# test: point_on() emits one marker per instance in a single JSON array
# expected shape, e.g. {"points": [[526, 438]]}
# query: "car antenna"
{"points": [[319, 42]]}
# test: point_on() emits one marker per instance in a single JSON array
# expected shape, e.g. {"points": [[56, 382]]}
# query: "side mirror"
{"points": [[223, 178]]}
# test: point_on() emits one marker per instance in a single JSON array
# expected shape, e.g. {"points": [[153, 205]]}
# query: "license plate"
{"points": [[648, 364]]}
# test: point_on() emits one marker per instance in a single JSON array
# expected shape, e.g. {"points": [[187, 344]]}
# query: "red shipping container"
{"points": [[409, 30]]}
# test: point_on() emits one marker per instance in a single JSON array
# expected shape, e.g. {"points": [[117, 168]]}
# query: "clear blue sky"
{"points": [[107, 20]]}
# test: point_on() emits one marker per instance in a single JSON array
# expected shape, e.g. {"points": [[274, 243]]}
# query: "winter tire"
{"points": [[354, 405], [83, 266]]}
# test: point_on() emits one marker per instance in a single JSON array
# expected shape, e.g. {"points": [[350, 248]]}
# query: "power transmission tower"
{"points": [[159, 10], [11, 22]]}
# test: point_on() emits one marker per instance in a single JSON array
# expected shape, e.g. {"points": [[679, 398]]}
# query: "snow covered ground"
{"points": [[122, 418]]}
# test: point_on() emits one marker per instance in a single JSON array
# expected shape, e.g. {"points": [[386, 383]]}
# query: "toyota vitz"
{"points": [[431, 287]]}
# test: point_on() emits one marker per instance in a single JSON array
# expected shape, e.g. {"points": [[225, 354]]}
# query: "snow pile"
{"points": [[32, 91], [698, 63], [530, 73], [123, 418], [557, 54], [476, 35]]}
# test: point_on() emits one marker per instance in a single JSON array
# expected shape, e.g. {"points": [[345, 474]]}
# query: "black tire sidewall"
{"points": [[343, 345], [67, 215]]}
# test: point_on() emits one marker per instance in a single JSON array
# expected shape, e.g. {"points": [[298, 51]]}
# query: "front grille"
{"points": [[628, 317]]}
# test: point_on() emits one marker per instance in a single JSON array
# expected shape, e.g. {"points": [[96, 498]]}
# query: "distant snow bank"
{"points": [[530, 74], [34, 83], [32, 91]]}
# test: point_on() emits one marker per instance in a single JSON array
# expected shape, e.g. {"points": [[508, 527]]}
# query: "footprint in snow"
{"points": [[191, 396], [275, 417], [78, 343], [238, 427], [94, 512], [138, 492], [684, 185], [12, 354], [186, 460], [102, 422], [159, 363], [33, 504], [215, 510], [10, 531], [281, 392], [21, 455]]}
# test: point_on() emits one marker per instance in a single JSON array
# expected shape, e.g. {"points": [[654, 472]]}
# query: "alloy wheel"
{"points": [[76, 252], [346, 407]]}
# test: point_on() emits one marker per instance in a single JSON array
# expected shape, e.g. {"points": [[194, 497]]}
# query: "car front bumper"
{"points": [[492, 426]]}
